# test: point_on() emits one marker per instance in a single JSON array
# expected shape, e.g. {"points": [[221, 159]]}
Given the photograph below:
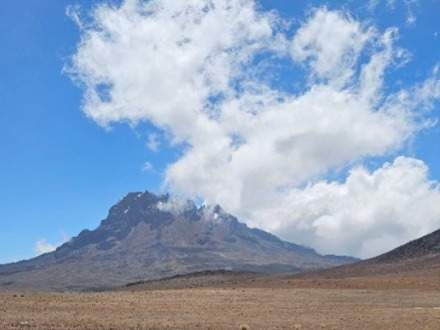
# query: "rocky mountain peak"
{"points": [[148, 236], [137, 201]]}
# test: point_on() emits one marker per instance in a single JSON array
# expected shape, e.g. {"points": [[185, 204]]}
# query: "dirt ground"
{"points": [[323, 306]]}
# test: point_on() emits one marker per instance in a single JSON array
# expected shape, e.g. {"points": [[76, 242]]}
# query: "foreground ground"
{"points": [[261, 303]]}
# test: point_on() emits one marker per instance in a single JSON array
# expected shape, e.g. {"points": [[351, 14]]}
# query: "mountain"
{"points": [[147, 237], [420, 256]]}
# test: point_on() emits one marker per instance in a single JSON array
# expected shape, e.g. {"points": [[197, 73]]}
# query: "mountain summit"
{"points": [[146, 237]]}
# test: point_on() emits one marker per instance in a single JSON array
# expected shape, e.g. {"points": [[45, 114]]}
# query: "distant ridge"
{"points": [[148, 237]]}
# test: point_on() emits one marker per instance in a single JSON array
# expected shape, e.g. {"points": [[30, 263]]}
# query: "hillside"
{"points": [[418, 257]]}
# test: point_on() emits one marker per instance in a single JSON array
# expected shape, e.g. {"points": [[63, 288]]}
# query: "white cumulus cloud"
{"points": [[332, 42], [371, 212], [194, 70]]}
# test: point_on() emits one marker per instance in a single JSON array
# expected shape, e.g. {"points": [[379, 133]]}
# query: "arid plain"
{"points": [[235, 301]]}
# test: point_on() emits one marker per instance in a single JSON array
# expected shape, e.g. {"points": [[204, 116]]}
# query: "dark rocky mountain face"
{"points": [[419, 255], [424, 246], [146, 237]]}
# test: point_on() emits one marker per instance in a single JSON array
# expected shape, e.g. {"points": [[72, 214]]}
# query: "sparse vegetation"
{"points": [[268, 305]]}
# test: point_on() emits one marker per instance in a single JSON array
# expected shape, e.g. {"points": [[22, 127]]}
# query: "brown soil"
{"points": [[410, 301]]}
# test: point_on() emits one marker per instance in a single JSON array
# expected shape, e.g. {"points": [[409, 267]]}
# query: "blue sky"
{"points": [[60, 171]]}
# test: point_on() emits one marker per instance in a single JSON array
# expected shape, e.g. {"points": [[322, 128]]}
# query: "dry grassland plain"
{"points": [[261, 304]]}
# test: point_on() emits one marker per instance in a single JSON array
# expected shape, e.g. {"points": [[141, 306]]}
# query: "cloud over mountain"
{"points": [[43, 246], [202, 71]]}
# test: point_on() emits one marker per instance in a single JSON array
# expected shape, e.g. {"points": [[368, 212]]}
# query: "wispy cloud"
{"points": [[43, 246], [147, 167], [153, 142], [410, 13]]}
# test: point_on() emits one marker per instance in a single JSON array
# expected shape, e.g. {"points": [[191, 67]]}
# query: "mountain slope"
{"points": [[418, 256], [146, 236]]}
